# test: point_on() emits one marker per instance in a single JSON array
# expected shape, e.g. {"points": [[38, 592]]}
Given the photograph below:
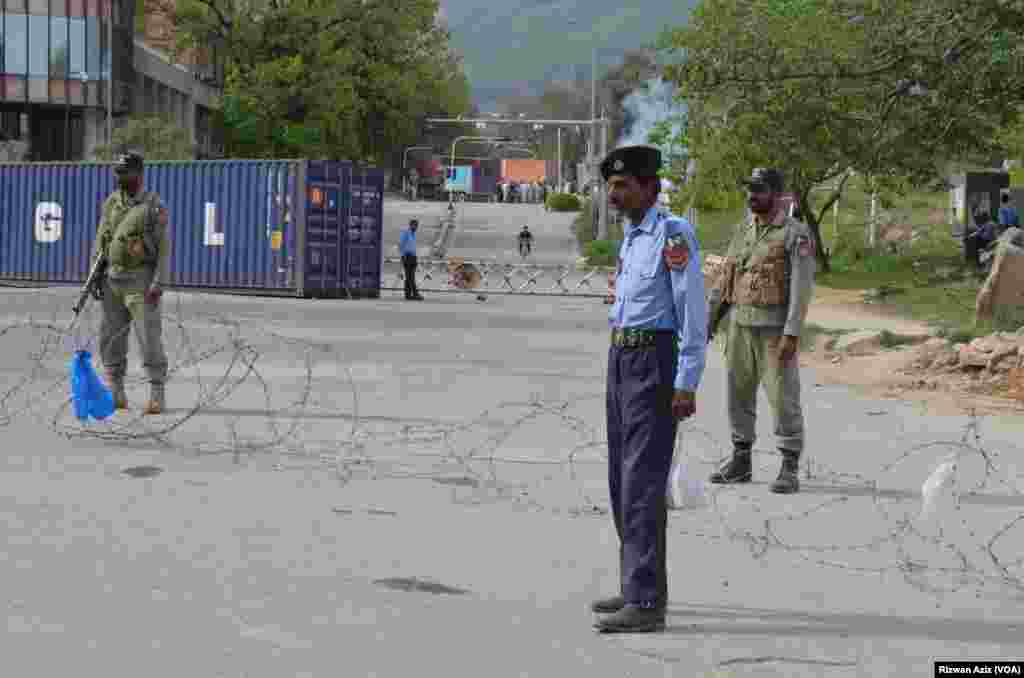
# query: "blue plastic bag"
{"points": [[89, 396]]}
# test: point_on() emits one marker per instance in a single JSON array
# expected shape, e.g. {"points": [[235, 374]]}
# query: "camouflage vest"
{"points": [[757, 271], [128, 235]]}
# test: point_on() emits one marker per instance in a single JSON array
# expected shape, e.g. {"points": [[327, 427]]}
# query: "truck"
{"points": [[520, 170], [458, 183]]}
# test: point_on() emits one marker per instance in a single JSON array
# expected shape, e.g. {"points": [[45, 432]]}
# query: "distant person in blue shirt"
{"points": [[1008, 214], [655, 363], [407, 248]]}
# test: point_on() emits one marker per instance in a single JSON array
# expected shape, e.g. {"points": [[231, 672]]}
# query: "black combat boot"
{"points": [[608, 605], [633, 619], [737, 470], [788, 482]]}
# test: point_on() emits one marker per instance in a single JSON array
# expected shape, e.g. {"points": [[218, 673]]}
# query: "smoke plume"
{"points": [[646, 107]]}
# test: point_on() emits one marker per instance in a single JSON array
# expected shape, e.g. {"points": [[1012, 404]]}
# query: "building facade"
{"points": [[60, 60]]}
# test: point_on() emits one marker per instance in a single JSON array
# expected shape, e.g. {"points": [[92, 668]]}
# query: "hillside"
{"points": [[514, 47]]}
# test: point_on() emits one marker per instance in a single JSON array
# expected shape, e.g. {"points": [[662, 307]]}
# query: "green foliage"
{"points": [[564, 202], [157, 137], [602, 252], [584, 226], [834, 91], [327, 78]]}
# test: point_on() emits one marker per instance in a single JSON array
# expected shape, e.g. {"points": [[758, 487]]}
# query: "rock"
{"points": [[824, 343], [999, 360], [972, 357], [863, 342]]}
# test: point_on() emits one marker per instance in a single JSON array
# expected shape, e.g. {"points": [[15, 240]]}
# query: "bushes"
{"points": [[602, 252], [583, 227], [564, 202]]}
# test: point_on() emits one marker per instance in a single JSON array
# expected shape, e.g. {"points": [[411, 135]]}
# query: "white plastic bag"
{"points": [[686, 490], [937, 492]]}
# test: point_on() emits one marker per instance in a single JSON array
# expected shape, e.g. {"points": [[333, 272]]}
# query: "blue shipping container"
{"points": [[307, 228], [460, 179]]}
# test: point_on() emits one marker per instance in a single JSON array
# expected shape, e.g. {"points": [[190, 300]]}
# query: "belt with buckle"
{"points": [[629, 337]]}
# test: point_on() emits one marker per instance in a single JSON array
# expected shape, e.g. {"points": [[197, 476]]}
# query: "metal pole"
{"points": [[592, 146], [110, 74], [515, 121], [602, 206], [559, 158], [405, 157]]}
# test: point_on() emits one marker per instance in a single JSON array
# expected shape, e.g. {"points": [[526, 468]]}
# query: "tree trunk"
{"points": [[809, 218]]}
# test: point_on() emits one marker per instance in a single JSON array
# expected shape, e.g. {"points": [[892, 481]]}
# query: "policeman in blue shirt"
{"points": [[407, 248], [655, 363], [1008, 214]]}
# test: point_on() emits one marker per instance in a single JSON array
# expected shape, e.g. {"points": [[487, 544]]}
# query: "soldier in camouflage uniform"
{"points": [[767, 281], [133, 236]]}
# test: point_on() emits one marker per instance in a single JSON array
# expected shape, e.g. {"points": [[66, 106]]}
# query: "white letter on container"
{"points": [[211, 238], [49, 222]]}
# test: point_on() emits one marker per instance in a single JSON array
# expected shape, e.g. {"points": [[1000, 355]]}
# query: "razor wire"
{"points": [[308, 411], [450, 275]]}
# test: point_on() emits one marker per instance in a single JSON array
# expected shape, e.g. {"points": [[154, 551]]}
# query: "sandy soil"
{"points": [[887, 374]]}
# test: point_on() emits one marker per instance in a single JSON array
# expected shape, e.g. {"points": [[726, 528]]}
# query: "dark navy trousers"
{"points": [[641, 438]]}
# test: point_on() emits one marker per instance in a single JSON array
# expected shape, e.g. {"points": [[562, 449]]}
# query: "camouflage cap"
{"points": [[129, 163], [766, 176]]}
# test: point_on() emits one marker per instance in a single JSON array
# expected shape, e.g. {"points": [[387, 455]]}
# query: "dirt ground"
{"points": [[901, 373]]}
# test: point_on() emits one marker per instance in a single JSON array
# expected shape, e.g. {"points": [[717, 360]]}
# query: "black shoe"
{"points": [[788, 481], [737, 470], [608, 605], [417, 298], [632, 619]]}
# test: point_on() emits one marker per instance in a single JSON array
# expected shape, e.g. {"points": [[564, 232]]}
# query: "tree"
{"points": [[326, 78], [891, 90], [156, 137]]}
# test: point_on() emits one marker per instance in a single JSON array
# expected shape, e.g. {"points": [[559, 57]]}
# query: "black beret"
{"points": [[128, 163], [637, 161], [766, 176]]}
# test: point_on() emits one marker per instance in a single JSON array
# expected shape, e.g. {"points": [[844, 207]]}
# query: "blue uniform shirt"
{"points": [[407, 243], [651, 295], [1008, 217]]}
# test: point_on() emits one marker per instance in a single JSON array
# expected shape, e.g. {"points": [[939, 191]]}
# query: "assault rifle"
{"points": [[93, 284]]}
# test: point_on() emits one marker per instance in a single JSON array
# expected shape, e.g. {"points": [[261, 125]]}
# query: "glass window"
{"points": [[76, 62], [93, 31], [15, 45], [38, 39], [59, 48]]}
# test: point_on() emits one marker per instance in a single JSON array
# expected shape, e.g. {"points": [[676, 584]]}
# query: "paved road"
{"points": [[485, 230], [440, 511]]}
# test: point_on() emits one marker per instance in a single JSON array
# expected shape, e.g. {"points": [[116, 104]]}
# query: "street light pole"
{"points": [[470, 138], [602, 205], [560, 159], [405, 156]]}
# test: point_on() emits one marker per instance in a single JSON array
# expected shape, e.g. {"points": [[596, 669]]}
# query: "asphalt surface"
{"points": [[440, 509], [485, 230]]}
